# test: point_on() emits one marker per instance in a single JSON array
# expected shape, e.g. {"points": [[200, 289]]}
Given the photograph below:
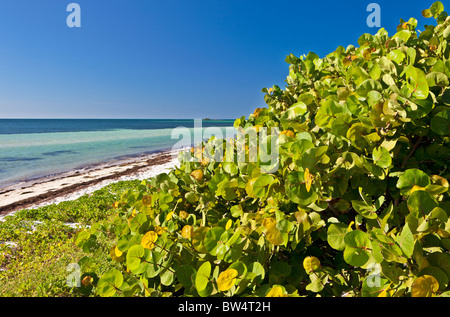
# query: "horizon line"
{"points": [[212, 119]]}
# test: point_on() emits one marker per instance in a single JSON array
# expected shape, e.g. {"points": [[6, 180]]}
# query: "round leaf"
{"points": [[226, 279], [134, 255], [297, 191], [438, 274], [424, 286], [274, 236], [335, 236], [149, 239], [197, 175], [410, 178], [440, 123], [357, 245], [421, 203], [202, 277], [187, 232], [276, 291], [381, 157], [310, 264], [184, 275], [109, 283]]}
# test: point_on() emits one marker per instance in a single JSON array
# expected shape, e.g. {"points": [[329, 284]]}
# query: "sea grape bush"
{"points": [[359, 204]]}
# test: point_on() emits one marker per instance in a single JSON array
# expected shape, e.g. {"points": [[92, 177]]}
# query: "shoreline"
{"points": [[71, 185]]}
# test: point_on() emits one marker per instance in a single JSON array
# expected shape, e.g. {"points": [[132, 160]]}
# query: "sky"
{"points": [[179, 59]]}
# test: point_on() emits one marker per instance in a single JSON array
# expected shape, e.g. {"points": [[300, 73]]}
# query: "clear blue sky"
{"points": [[167, 59]]}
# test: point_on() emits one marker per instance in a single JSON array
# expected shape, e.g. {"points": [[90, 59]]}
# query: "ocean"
{"points": [[35, 148]]}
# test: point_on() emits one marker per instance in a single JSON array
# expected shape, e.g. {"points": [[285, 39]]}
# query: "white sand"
{"points": [[28, 190]]}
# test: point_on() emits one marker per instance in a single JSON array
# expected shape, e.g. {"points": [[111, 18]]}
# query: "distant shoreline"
{"points": [[67, 186]]}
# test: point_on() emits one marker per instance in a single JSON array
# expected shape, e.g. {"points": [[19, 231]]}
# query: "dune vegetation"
{"points": [[357, 206]]}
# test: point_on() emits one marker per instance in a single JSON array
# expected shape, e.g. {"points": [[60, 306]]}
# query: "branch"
{"points": [[414, 148]]}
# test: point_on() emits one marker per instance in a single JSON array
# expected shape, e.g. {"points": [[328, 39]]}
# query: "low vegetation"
{"points": [[358, 204], [37, 245]]}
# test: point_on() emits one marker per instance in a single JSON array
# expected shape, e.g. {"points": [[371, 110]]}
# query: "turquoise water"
{"points": [[36, 148]]}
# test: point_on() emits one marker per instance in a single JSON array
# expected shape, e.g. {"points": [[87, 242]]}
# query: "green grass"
{"points": [[35, 262]]}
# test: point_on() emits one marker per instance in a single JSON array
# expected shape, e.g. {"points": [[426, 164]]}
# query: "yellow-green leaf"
{"points": [[276, 291], [116, 254], [197, 175], [183, 214], [187, 232], [311, 263], [226, 279], [149, 239], [274, 236], [424, 286], [269, 223], [146, 200]]}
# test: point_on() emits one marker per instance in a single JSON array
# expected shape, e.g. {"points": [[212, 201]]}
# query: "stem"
{"points": [[324, 285], [414, 148], [160, 265]]}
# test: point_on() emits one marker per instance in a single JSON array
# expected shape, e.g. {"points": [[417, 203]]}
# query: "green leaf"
{"points": [[81, 237], [134, 255], [296, 189], [406, 241], [440, 123], [437, 79], [364, 209], [216, 180], [335, 235], [403, 34], [202, 276], [300, 147], [368, 85], [327, 112], [436, 9], [374, 284], [397, 56], [410, 178], [357, 248], [438, 274], [421, 203], [293, 114], [260, 187], [441, 260], [167, 277], [185, 274], [427, 13], [388, 248], [227, 189], [341, 124], [240, 267], [215, 239], [417, 82], [419, 108], [381, 157], [411, 52], [318, 282], [446, 32], [109, 283]]}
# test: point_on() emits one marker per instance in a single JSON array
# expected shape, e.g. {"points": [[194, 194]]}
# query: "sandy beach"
{"points": [[74, 184]]}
